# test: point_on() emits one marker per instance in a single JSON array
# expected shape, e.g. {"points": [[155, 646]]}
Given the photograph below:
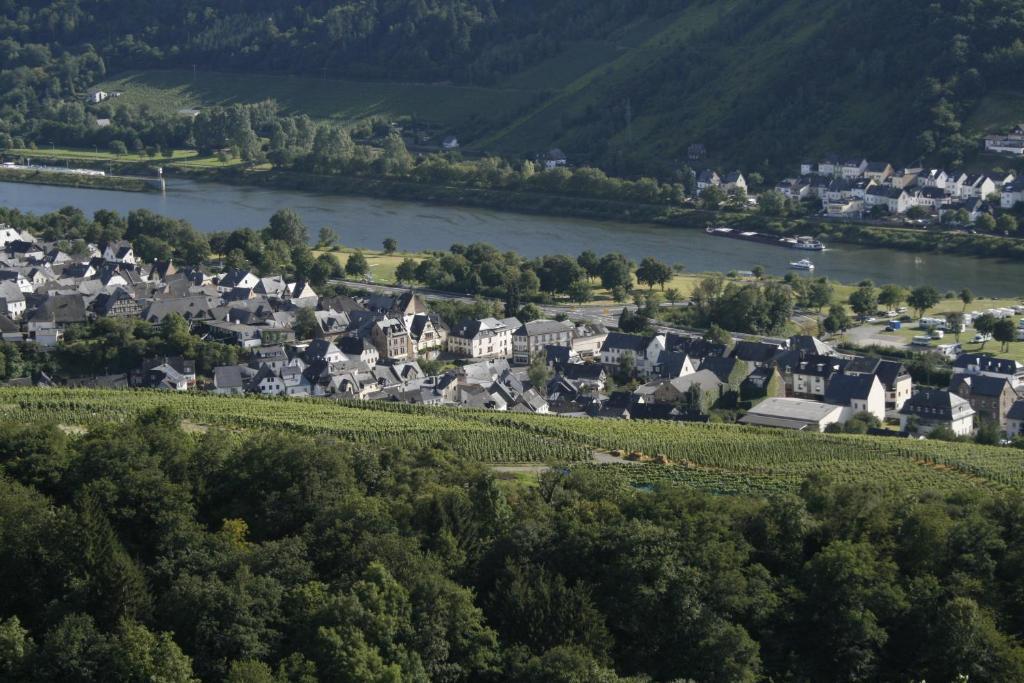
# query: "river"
{"points": [[365, 222]]}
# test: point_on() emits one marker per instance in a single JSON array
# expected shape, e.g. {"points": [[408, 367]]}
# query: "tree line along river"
{"points": [[365, 222]]}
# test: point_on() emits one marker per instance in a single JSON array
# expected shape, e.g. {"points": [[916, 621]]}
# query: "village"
{"points": [[378, 347], [857, 188]]}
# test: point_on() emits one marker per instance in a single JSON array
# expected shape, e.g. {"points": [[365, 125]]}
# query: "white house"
{"points": [[1013, 194], [645, 351], [487, 338], [12, 300], [119, 252], [450, 142], [1015, 419], [895, 199], [977, 187], [554, 159], [858, 394], [852, 168], [930, 408]]}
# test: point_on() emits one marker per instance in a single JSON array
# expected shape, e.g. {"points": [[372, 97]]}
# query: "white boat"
{"points": [[802, 264]]}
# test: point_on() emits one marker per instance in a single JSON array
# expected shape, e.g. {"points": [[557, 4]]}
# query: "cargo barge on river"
{"points": [[804, 243]]}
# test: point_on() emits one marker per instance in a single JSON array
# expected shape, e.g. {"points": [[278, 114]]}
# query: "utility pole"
{"points": [[193, 73]]}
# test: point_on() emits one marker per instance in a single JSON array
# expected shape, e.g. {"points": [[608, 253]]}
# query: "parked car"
{"points": [[981, 338]]}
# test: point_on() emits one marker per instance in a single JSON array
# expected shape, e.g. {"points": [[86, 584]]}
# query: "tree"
{"points": [[985, 325], [626, 368], [616, 271], [1007, 223], [306, 326], [923, 298], [1004, 332], [837, 320], [558, 274], [396, 157], [632, 321], [326, 239], [955, 322], [406, 270], [390, 245], [967, 297], [580, 292], [712, 197], [891, 296], [758, 271], [539, 372], [985, 223], [357, 265], [287, 226], [529, 312], [653, 272], [819, 295], [118, 148], [717, 335], [672, 295], [864, 300], [589, 262], [771, 203]]}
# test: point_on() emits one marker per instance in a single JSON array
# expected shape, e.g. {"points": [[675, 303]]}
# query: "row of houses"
{"points": [[1006, 143], [855, 187]]}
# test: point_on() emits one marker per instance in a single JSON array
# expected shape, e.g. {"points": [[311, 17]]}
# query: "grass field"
{"points": [[184, 158], [340, 100], [724, 459], [382, 266]]}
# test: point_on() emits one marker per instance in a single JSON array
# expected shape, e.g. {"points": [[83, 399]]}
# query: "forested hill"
{"points": [[610, 81]]}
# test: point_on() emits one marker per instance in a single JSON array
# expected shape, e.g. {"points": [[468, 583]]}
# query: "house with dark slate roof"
{"points": [[930, 408], [990, 397], [989, 366], [1015, 419], [858, 393]]}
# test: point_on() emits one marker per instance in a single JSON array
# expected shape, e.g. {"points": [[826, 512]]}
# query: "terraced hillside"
{"points": [[718, 458]]}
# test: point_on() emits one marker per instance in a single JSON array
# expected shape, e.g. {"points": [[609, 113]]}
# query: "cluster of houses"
{"points": [[854, 187], [370, 348]]}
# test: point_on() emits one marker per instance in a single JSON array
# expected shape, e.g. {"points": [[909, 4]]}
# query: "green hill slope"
{"points": [[627, 84], [717, 458]]}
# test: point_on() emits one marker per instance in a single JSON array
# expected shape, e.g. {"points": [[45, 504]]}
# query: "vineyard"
{"points": [[724, 459]]}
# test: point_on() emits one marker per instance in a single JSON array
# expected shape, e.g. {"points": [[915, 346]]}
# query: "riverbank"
{"points": [[96, 182], [592, 208], [537, 203]]}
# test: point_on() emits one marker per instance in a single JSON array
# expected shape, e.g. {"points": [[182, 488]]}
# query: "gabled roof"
{"points": [[754, 352], [844, 388], [1016, 411], [626, 342], [1002, 366], [694, 347], [584, 371], [722, 368], [936, 403], [981, 385], [819, 366], [61, 309], [535, 327], [228, 377], [808, 344]]}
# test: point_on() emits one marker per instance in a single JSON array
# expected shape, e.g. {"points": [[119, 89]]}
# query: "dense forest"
{"points": [[142, 551], [898, 80]]}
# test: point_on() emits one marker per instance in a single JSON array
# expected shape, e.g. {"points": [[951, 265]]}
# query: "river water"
{"points": [[365, 222]]}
